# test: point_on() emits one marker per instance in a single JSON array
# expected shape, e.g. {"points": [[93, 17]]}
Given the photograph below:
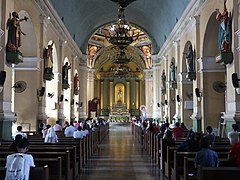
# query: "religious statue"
{"points": [[163, 85], [65, 69], [143, 113], [14, 32], [75, 82], [147, 52], [48, 62], [119, 95], [92, 51], [189, 59], [172, 72], [225, 29]]}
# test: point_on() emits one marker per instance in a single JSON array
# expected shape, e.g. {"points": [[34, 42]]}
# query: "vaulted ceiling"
{"points": [[155, 17]]}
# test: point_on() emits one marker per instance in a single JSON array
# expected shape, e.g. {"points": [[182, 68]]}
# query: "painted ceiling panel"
{"points": [[83, 17]]}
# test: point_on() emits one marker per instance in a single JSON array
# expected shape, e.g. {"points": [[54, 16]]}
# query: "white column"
{"points": [[148, 91], [42, 117], [156, 91], [83, 74]]}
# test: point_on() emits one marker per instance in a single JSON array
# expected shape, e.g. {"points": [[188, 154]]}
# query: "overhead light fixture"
{"points": [[121, 58], [122, 34]]}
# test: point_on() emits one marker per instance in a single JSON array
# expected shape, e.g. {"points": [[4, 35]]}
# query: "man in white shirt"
{"points": [[57, 126], [19, 131], [69, 130], [78, 133], [233, 136], [14, 167]]}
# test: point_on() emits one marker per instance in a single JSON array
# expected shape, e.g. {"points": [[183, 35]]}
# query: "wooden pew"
{"points": [[190, 172], [38, 173], [52, 151], [54, 165], [168, 164], [178, 165], [221, 173]]}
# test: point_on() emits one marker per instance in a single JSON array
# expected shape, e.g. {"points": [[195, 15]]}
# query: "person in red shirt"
{"points": [[234, 154], [177, 131]]}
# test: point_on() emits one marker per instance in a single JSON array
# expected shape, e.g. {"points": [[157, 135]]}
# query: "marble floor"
{"points": [[120, 157]]}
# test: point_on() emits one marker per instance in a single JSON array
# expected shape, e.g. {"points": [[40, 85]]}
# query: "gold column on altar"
{"points": [[111, 94], [128, 95]]}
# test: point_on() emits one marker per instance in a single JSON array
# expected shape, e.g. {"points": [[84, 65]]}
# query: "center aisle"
{"points": [[119, 157]]}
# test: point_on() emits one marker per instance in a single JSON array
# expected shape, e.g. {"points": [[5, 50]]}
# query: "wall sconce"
{"points": [[2, 79], [198, 94], [178, 98], [235, 82], [166, 102]]}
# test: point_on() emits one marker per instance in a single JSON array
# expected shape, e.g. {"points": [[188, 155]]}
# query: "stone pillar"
{"points": [[72, 114], [7, 117], [61, 116], [164, 96], [83, 71], [90, 84], [156, 92], [177, 115], [196, 116], [232, 109], [42, 117], [148, 91]]}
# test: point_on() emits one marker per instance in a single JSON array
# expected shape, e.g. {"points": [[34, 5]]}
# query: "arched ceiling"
{"points": [[156, 17]]}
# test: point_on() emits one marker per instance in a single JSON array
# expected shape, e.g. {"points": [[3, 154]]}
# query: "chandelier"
{"points": [[121, 57], [121, 33]]}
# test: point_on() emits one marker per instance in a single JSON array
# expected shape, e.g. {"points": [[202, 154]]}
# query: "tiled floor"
{"points": [[119, 157]]}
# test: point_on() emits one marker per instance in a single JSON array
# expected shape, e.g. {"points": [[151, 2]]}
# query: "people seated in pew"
{"points": [[192, 143], [13, 145], [150, 127], [57, 126], [85, 125], [79, 133], [77, 123], [233, 135], [39, 130], [85, 131], [210, 135], [162, 130], [183, 126], [18, 164], [234, 154], [69, 129], [94, 126], [19, 131], [206, 156], [168, 139], [51, 136], [178, 131]]}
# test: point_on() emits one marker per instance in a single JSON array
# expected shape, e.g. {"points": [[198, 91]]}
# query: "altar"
{"points": [[119, 113]]}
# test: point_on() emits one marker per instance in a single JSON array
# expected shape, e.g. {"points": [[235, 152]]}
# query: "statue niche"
{"points": [[119, 94]]}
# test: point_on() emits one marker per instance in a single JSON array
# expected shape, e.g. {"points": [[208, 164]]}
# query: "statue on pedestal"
{"points": [[14, 38], [48, 62], [65, 69]]}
